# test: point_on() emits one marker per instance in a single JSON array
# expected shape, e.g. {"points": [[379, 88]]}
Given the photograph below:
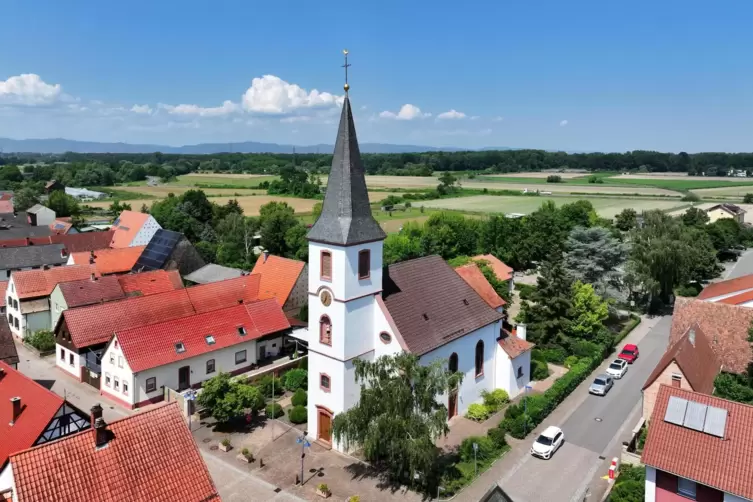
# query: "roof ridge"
{"points": [[671, 388]]}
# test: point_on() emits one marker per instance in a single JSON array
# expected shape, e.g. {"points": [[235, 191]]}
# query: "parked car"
{"points": [[617, 368], [629, 353], [548, 442], [601, 385]]}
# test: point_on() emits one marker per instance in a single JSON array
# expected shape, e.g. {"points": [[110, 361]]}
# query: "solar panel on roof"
{"points": [[716, 421], [675, 413], [158, 250], [695, 416]]}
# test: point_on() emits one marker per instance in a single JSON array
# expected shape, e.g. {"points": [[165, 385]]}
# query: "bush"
{"points": [[595, 179], [539, 370], [296, 379], [265, 386], [298, 414], [495, 399], [526, 290], [42, 340], [300, 398], [630, 326], [690, 197], [487, 449], [584, 348], [629, 491], [274, 410], [554, 355], [553, 178], [688, 290], [477, 412], [497, 435], [225, 442], [303, 364], [748, 198], [570, 361]]}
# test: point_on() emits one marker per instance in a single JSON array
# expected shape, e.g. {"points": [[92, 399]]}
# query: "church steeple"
{"points": [[346, 214]]}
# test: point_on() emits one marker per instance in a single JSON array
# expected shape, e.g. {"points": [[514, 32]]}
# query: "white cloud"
{"points": [[271, 94], [29, 89], [498, 119], [227, 108], [142, 109], [563, 123], [451, 115], [407, 112], [295, 118]]}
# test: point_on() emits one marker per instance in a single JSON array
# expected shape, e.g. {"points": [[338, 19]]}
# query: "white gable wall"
{"points": [[63, 359], [146, 232], [507, 372]]}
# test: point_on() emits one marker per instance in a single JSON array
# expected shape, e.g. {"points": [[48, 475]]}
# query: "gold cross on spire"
{"points": [[346, 65]]}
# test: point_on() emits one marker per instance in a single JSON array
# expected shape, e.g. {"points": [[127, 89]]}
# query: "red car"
{"points": [[629, 353]]}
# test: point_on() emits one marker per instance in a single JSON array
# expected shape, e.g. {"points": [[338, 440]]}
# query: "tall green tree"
{"points": [[398, 417], [276, 218], [593, 255], [627, 219], [547, 312], [587, 314], [63, 204], [25, 198], [695, 217], [228, 399]]}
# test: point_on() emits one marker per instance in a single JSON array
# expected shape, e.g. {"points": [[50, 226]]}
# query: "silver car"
{"points": [[601, 385]]}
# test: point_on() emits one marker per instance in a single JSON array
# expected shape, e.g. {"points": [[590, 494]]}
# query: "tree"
{"points": [[626, 220], [118, 207], [11, 173], [63, 204], [25, 198], [276, 219], [547, 313], [447, 183], [236, 240], [695, 217], [227, 399], [544, 233], [588, 312], [398, 417], [593, 256], [748, 198]]}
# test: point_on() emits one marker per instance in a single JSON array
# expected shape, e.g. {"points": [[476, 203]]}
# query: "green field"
{"points": [[689, 184]]}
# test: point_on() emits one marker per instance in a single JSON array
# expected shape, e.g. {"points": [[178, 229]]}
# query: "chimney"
{"points": [[64, 253], [46, 267], [95, 413], [691, 336], [266, 255], [93, 277], [100, 433], [521, 331], [16, 403]]}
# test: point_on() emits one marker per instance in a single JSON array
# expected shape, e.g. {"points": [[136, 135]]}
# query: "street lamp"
{"points": [[304, 442]]}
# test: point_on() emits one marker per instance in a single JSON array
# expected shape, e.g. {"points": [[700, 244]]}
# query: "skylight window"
{"points": [[180, 348], [209, 339], [241, 331]]}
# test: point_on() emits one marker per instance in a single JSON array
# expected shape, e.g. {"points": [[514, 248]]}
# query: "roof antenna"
{"points": [[346, 66]]}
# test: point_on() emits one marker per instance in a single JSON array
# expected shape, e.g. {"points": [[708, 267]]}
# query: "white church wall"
{"points": [[507, 371], [353, 286], [382, 348]]}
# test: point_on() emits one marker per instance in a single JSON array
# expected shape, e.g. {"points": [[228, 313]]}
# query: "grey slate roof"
{"points": [[32, 256], [213, 273], [346, 214], [431, 304], [17, 226]]}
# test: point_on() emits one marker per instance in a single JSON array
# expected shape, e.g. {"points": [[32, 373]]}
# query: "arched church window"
{"points": [[364, 264], [326, 265], [480, 358], [325, 330], [453, 366]]}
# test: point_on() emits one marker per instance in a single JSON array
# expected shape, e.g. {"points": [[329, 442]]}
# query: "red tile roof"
{"points": [[738, 299], [110, 261], [475, 279], [150, 346], [88, 292], [501, 270], [221, 294], [38, 406], [278, 276], [696, 360], [129, 224], [36, 283], [726, 287], [724, 464], [513, 345], [725, 326], [149, 283], [6, 206], [3, 289], [150, 456], [60, 227], [6, 196], [88, 241]]}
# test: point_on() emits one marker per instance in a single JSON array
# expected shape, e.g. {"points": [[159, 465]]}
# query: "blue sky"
{"points": [[583, 75]]}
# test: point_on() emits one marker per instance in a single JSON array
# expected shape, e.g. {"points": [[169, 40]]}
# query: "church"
{"points": [[360, 309]]}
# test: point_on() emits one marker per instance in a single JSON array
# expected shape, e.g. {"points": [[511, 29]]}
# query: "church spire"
{"points": [[346, 214]]}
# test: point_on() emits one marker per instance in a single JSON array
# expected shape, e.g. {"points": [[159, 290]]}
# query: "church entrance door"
{"points": [[325, 427], [452, 404]]}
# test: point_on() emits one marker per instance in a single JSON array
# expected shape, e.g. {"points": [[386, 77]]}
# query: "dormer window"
{"points": [[209, 339], [326, 265], [241, 331], [180, 348], [364, 264]]}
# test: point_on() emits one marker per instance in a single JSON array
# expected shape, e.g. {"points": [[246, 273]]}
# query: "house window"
{"points": [[116, 344], [326, 265], [364, 264], [385, 337], [325, 331], [676, 380], [62, 354], [240, 357], [686, 487], [324, 382], [15, 304], [107, 379], [241, 331], [151, 384], [70, 359], [520, 371], [10, 301], [180, 348], [453, 364], [209, 339], [112, 358], [210, 366], [116, 383], [480, 358], [125, 388], [15, 323]]}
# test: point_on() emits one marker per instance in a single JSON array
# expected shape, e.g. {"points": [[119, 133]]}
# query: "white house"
{"points": [[139, 363], [358, 309], [133, 228], [40, 215]]}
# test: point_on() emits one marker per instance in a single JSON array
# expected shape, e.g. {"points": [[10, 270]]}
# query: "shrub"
{"points": [[274, 410], [303, 364], [247, 453], [300, 398], [42, 340], [354, 498], [322, 487], [554, 355], [497, 435], [688, 290], [570, 361], [487, 449], [225, 442], [595, 179], [690, 197], [629, 491], [477, 412], [495, 399], [584, 348], [296, 379], [298, 414], [553, 178], [748, 198], [539, 370], [265, 385]]}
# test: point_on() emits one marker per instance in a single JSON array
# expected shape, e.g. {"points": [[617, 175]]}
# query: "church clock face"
{"points": [[326, 298]]}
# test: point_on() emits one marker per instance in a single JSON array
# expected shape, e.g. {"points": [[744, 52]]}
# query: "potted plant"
{"points": [[225, 445], [323, 490], [246, 456]]}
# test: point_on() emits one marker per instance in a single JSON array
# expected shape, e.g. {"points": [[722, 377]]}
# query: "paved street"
{"points": [[743, 266]]}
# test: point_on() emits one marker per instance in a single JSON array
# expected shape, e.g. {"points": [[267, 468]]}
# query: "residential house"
{"points": [[168, 250], [737, 291], [40, 215], [283, 279], [52, 186], [149, 283], [8, 353], [108, 261], [147, 456], [726, 210], [16, 225], [360, 309], [725, 327], [31, 257], [82, 334], [690, 363], [211, 272], [503, 271], [699, 448], [182, 353], [133, 228], [90, 291], [28, 302], [30, 415]]}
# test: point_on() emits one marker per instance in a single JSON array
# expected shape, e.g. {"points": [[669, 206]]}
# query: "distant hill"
{"points": [[58, 145]]}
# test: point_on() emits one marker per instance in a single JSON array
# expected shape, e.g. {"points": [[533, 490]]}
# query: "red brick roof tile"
{"points": [[149, 283], [726, 287], [110, 261], [60, 226], [721, 463], [513, 345], [725, 327], [501, 270], [88, 292], [475, 279], [6, 206], [128, 225], [150, 456], [74, 243], [278, 276], [153, 345], [738, 299], [36, 283], [220, 294], [38, 406]]}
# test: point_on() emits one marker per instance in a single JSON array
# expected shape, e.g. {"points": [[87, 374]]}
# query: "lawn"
{"points": [[607, 207], [679, 184], [222, 180]]}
